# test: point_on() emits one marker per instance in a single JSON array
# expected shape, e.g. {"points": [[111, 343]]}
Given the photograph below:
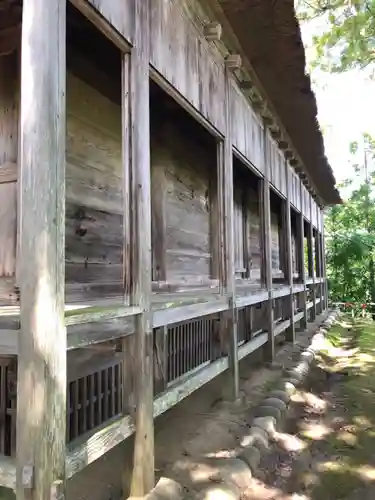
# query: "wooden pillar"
{"points": [[301, 238], [143, 476], [312, 263], [41, 395], [265, 214], [324, 263], [290, 333], [227, 274]]}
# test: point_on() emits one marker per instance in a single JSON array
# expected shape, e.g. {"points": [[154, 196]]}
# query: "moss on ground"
{"points": [[347, 467]]}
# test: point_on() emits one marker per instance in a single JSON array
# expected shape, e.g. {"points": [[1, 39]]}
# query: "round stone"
{"points": [[251, 456], [279, 394], [277, 403], [268, 411], [268, 424], [256, 437]]}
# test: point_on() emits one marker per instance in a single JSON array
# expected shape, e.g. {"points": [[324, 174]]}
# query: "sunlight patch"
{"points": [[366, 472], [314, 431], [289, 442]]}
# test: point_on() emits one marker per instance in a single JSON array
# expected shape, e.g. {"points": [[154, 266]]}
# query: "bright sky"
{"points": [[346, 109]]}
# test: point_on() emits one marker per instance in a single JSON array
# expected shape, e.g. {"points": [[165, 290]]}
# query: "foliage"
{"points": [[347, 38], [350, 232]]}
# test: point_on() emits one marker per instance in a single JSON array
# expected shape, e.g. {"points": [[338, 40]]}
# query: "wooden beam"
{"points": [[312, 260], [233, 61], [290, 334], [143, 475], [102, 23], [41, 395], [213, 32], [265, 213], [301, 254], [227, 277]]}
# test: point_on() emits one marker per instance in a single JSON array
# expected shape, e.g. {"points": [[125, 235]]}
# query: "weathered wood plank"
{"points": [[111, 17], [246, 128], [41, 395], [9, 85], [301, 255], [94, 195], [265, 208], [143, 476], [291, 334], [225, 190], [181, 54]]}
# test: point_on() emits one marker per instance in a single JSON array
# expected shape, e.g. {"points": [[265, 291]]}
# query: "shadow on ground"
{"points": [[328, 449]]}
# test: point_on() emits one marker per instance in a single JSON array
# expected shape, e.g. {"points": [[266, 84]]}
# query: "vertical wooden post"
{"points": [[265, 213], [290, 333], [319, 257], [41, 395], [312, 262], [143, 476], [225, 189], [301, 235], [324, 263]]}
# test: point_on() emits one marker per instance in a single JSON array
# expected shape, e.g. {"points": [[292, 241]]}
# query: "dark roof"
{"points": [[270, 37]]}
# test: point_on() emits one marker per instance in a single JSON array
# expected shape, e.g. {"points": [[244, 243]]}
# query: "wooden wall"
{"points": [[186, 60], [94, 196], [277, 165], [247, 129], [187, 167], [9, 87], [294, 188], [246, 231], [120, 13]]}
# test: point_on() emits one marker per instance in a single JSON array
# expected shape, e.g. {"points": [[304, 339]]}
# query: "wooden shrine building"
{"points": [[162, 186]]}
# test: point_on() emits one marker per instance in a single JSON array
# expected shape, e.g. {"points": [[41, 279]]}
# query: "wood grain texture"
{"points": [[226, 209], [94, 195], [41, 398], [181, 201], [119, 14], [186, 60], [265, 207], [247, 129], [104, 16], [143, 475], [8, 176], [276, 164], [290, 335]]}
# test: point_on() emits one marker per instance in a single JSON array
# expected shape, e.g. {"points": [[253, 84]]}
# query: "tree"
{"points": [[347, 37], [351, 233]]}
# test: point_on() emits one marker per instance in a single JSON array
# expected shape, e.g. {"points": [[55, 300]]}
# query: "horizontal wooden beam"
{"points": [[96, 313], [168, 316], [251, 346], [88, 448], [298, 316], [252, 299], [281, 327], [281, 292]]}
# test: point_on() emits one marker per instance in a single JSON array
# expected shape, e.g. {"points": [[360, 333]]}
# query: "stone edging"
{"points": [[231, 474]]}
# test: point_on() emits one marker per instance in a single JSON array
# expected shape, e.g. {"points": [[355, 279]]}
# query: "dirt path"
{"points": [[327, 451]]}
